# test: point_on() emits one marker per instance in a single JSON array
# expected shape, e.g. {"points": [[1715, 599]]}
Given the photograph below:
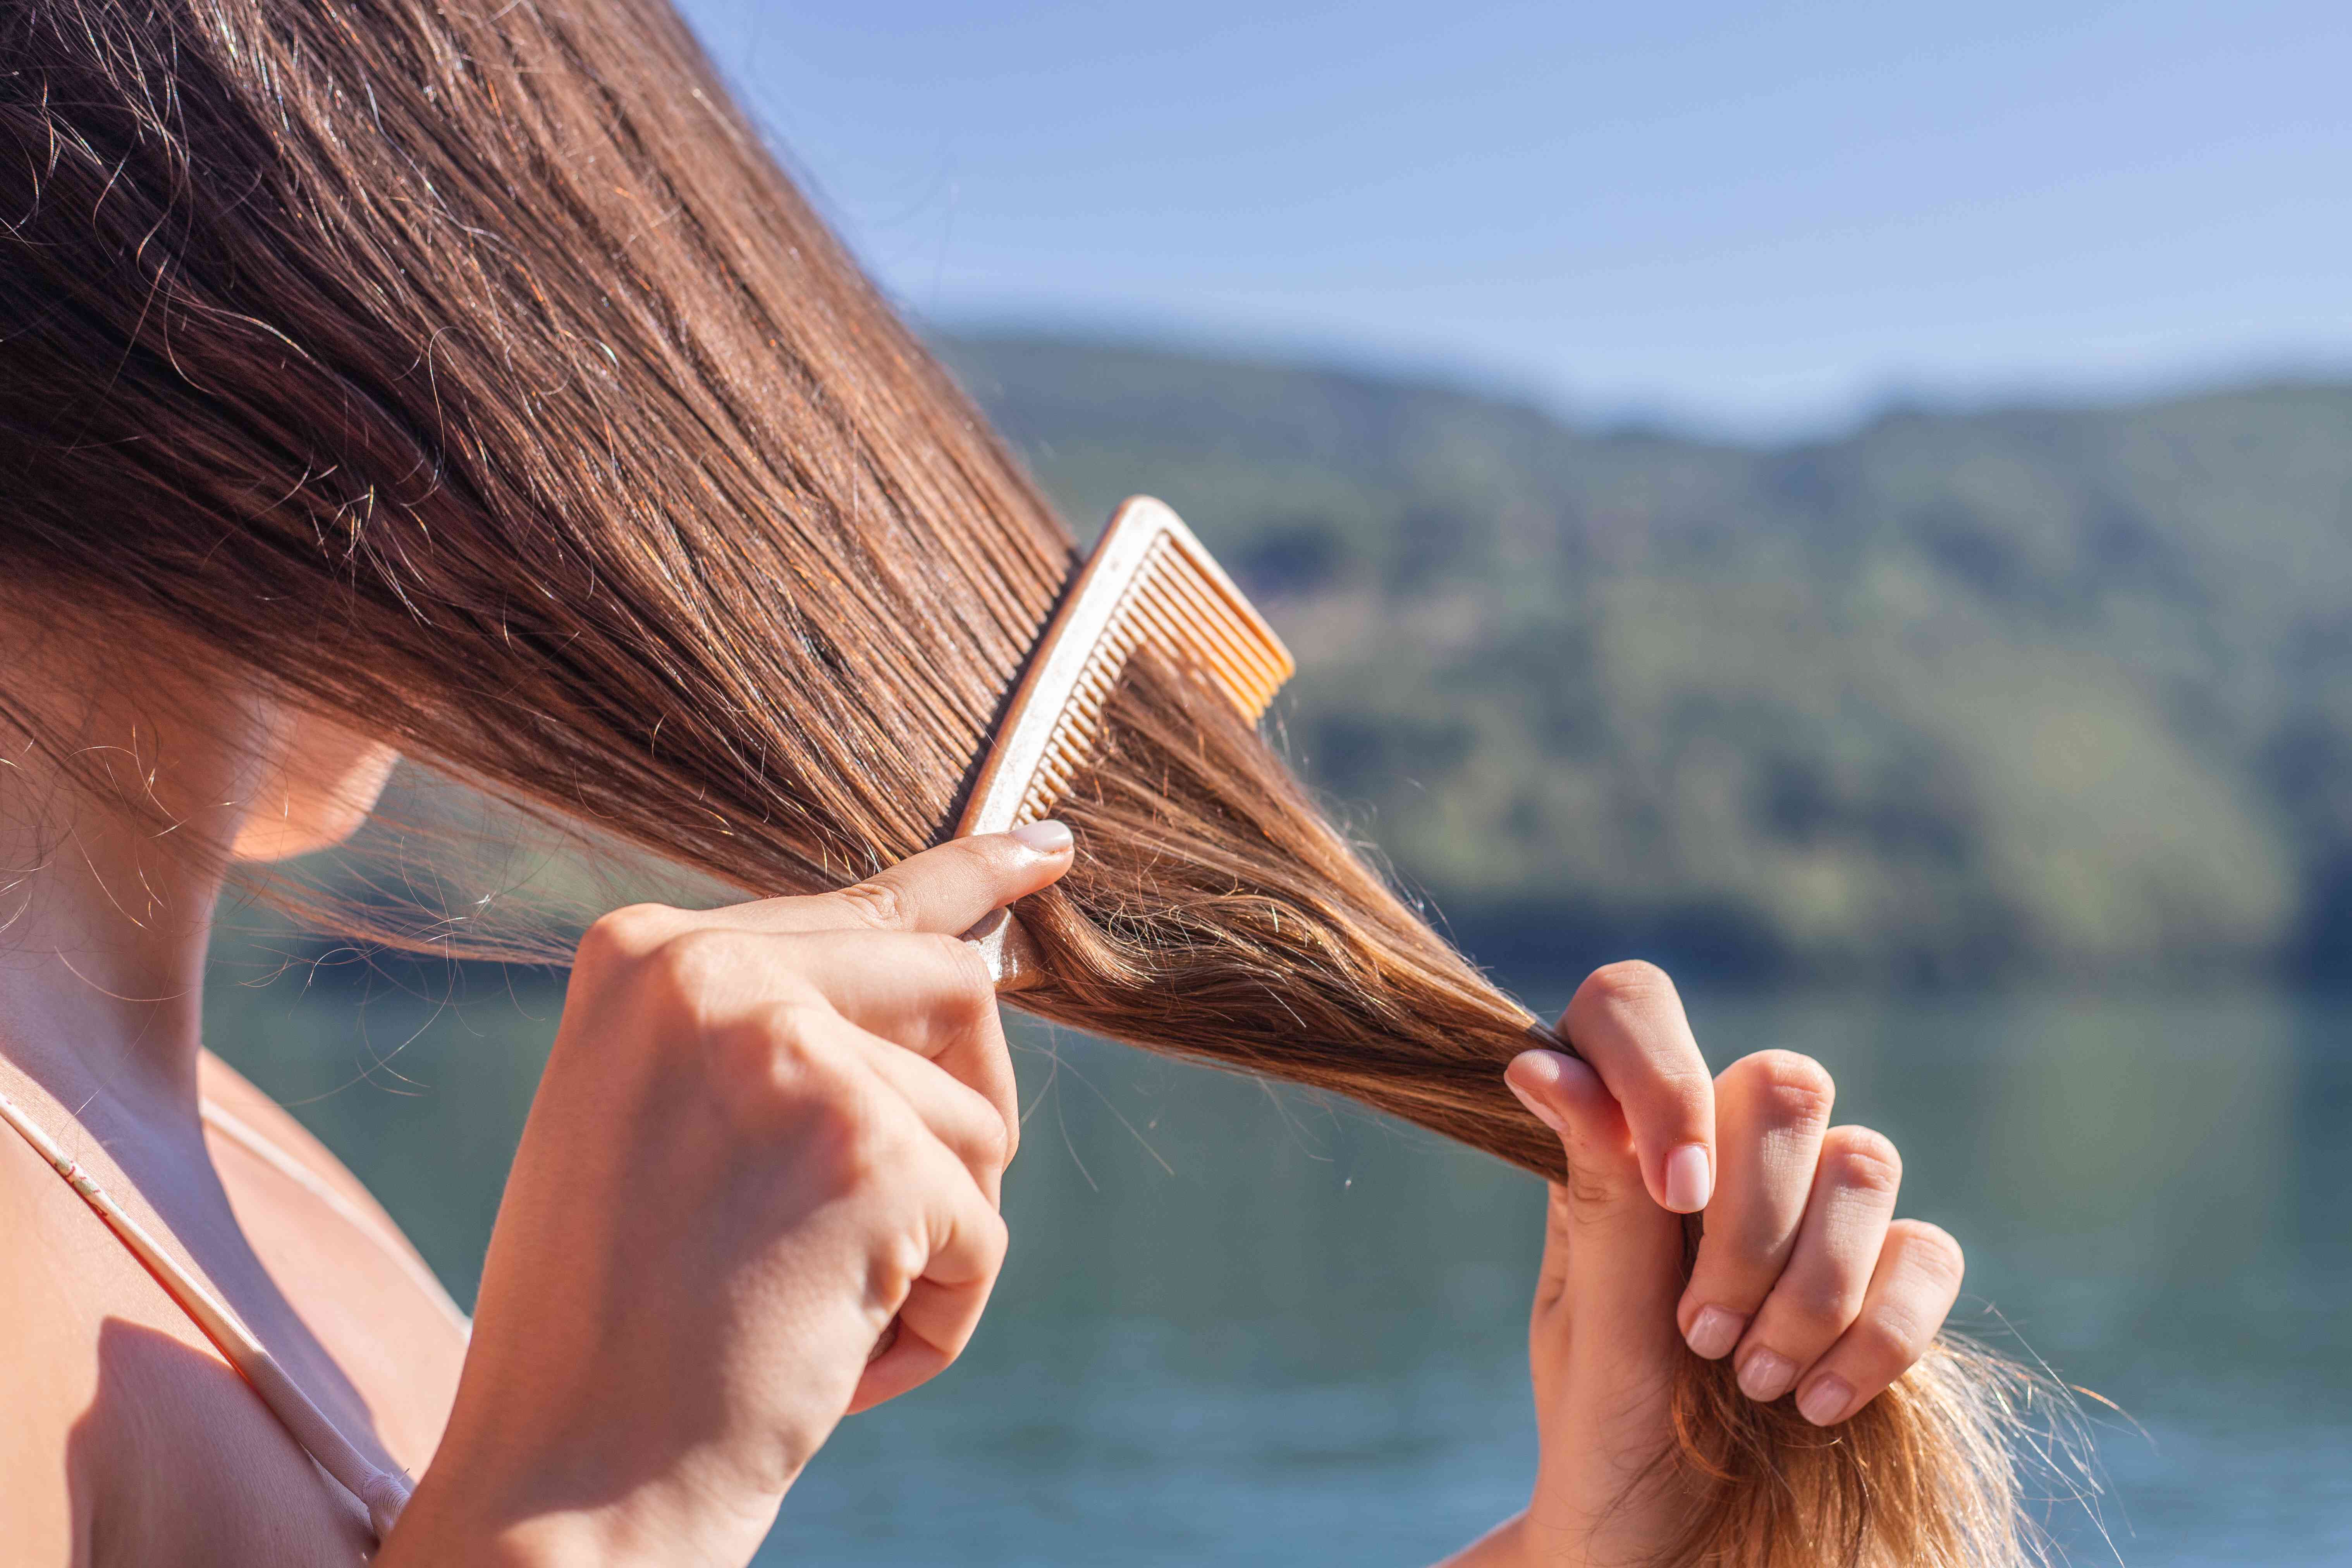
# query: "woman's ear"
{"points": [[319, 784]]}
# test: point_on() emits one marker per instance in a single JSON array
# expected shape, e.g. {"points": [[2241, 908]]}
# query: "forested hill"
{"points": [[2029, 692]]}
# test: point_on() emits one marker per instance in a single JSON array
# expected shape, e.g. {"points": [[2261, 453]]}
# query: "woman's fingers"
{"points": [[937, 1147], [779, 1070], [1820, 1292], [893, 966], [945, 889], [961, 1118], [1804, 1275], [929, 994], [1627, 1021], [1611, 1253], [939, 1309], [1912, 1291], [926, 992], [1771, 1110]]}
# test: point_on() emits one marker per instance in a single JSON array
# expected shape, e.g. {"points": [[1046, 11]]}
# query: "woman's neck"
{"points": [[109, 868]]}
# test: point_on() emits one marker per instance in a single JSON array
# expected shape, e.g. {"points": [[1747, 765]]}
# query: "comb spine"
{"points": [[1150, 580], [1072, 638]]}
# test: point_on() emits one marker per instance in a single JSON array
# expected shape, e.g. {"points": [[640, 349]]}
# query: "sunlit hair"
{"points": [[475, 374]]}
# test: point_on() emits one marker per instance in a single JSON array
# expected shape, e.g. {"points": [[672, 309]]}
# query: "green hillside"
{"points": [[2034, 690]]}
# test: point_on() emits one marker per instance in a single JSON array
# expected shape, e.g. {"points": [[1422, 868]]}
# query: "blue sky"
{"points": [[1760, 218]]}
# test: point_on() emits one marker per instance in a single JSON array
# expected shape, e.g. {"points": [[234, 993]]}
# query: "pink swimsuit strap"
{"points": [[382, 1492]]}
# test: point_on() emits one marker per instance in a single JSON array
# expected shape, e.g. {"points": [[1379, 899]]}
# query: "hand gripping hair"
{"points": [[475, 374]]}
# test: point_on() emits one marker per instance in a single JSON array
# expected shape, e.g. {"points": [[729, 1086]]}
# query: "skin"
{"points": [[128, 1440], [822, 1085], [1803, 1277]]}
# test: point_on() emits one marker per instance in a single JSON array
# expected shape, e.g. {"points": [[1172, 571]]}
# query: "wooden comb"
{"points": [[1149, 583]]}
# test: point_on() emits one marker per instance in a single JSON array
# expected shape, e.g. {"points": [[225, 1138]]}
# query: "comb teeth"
{"points": [[1148, 584]]}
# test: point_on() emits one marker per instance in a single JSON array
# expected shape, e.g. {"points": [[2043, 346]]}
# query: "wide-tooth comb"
{"points": [[1149, 583]]}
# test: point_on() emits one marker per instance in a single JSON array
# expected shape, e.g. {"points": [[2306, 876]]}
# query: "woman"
{"points": [[388, 378]]}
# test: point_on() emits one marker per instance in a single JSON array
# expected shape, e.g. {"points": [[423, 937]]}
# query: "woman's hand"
{"points": [[1804, 1277], [768, 1137]]}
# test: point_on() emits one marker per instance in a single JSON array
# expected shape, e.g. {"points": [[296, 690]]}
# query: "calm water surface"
{"points": [[1243, 1326]]}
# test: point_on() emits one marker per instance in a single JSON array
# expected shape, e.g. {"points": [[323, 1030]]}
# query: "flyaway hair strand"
{"points": [[474, 374]]}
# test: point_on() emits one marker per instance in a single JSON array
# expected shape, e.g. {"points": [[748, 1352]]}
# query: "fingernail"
{"points": [[1714, 1331], [1047, 837], [1690, 1179], [1767, 1376], [1825, 1401], [1535, 1108]]}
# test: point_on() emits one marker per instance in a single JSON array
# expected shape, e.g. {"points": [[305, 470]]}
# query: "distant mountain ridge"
{"points": [[2025, 692]]}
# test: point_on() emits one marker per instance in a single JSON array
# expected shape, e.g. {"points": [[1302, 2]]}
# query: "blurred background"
{"points": [[1852, 502]]}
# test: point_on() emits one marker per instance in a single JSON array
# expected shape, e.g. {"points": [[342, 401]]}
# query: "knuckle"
{"points": [[771, 1059], [1892, 1337], [894, 1264], [970, 994], [1901, 1323], [1931, 1250], [1792, 1089], [1823, 1304], [1625, 985], [624, 936], [876, 902], [1860, 1159], [684, 973], [991, 1140], [1594, 1200], [995, 1239], [1751, 1251], [1602, 1194], [972, 1131], [864, 1151], [1687, 1083]]}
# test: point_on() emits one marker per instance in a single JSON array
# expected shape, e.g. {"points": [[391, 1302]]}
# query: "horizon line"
{"points": [[2021, 392]]}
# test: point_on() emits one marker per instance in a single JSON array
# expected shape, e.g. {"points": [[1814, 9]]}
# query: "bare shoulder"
{"points": [[341, 1262], [124, 1438], [258, 1129], [232, 1091], [49, 1449]]}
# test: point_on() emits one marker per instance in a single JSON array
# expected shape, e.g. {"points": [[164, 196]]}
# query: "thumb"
{"points": [[1613, 1254], [944, 890]]}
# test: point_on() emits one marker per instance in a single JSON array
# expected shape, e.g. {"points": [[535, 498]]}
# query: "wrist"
{"points": [[443, 1523], [423, 1537], [460, 1513]]}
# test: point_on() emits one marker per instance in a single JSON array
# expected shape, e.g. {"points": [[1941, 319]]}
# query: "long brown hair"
{"points": [[474, 374]]}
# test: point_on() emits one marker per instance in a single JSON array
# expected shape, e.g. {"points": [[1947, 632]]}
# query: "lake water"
{"points": [[1243, 1326]]}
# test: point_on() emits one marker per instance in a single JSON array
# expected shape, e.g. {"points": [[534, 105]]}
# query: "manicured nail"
{"points": [[1714, 1331], [1690, 1179], [1537, 1107], [1825, 1401], [1766, 1376], [1047, 837]]}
